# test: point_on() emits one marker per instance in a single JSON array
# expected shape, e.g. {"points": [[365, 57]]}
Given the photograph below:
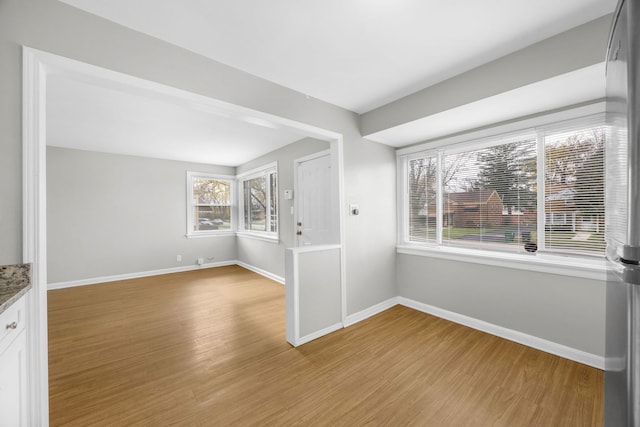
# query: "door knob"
{"points": [[299, 233]]}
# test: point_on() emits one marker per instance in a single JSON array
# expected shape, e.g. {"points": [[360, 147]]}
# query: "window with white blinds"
{"points": [[422, 199], [490, 196], [535, 191], [574, 190]]}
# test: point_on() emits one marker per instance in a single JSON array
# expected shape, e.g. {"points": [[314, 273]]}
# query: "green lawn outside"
{"points": [[458, 232]]}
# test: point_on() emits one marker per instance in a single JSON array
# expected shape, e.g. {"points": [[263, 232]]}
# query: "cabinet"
{"points": [[13, 366]]}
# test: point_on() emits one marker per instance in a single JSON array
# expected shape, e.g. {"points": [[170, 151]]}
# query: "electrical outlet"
{"points": [[200, 261], [179, 258]]}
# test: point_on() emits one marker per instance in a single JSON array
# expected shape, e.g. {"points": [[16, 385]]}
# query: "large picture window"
{"points": [[259, 201], [210, 200], [538, 190], [489, 196]]}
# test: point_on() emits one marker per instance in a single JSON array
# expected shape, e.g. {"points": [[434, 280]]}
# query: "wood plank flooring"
{"points": [[207, 348]]}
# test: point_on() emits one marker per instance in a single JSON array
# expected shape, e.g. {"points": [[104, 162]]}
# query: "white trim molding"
{"points": [[34, 226], [264, 237], [593, 268], [352, 319], [480, 325], [224, 233], [318, 334], [261, 272], [36, 65], [292, 295], [509, 334], [137, 275]]}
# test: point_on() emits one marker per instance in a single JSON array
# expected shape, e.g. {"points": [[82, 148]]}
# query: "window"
{"points": [[489, 195], [259, 207], [422, 199], [537, 190], [210, 200], [574, 190]]}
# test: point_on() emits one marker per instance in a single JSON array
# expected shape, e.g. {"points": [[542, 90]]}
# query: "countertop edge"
{"points": [[15, 281], [9, 302]]}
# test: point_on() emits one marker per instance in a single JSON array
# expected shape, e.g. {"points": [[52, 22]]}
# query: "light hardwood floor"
{"points": [[207, 348]]}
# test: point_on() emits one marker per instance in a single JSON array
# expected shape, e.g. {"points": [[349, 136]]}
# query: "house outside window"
{"points": [[534, 191], [259, 202], [489, 192], [209, 204], [574, 189]]}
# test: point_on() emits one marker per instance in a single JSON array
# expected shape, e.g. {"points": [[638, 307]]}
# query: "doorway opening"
{"points": [[38, 66]]}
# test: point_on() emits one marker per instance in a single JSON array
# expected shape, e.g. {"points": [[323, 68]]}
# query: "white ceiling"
{"points": [[358, 54], [89, 114]]}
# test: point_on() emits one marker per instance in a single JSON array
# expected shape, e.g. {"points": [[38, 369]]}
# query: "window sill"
{"points": [[588, 268], [259, 236], [200, 235]]}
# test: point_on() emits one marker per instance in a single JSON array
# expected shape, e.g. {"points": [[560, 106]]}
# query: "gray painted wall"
{"points": [[565, 310], [110, 214], [319, 292], [369, 167], [369, 175], [61, 29], [561, 309], [269, 256]]}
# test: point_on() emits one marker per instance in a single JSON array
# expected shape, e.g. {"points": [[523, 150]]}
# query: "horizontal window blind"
{"points": [[542, 189], [574, 190], [422, 175], [489, 198]]}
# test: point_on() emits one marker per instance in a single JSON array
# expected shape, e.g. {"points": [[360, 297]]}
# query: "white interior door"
{"points": [[314, 201]]}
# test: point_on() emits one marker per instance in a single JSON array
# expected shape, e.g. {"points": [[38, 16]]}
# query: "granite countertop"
{"points": [[15, 281]]}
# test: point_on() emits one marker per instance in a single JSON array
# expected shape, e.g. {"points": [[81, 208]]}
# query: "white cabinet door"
{"points": [[13, 384]]}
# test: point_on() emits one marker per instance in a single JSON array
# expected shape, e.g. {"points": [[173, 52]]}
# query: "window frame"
{"points": [[191, 233], [265, 171], [590, 266]]}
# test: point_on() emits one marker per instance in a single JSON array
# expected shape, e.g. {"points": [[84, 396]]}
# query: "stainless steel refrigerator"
{"points": [[622, 357]]}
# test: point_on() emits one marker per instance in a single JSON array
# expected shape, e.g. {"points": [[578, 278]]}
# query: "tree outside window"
{"points": [[210, 200], [259, 202], [488, 196]]}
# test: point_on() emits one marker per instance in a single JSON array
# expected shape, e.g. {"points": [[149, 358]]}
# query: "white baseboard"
{"points": [[261, 272], [371, 311], [126, 276], [322, 332], [509, 334]]}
